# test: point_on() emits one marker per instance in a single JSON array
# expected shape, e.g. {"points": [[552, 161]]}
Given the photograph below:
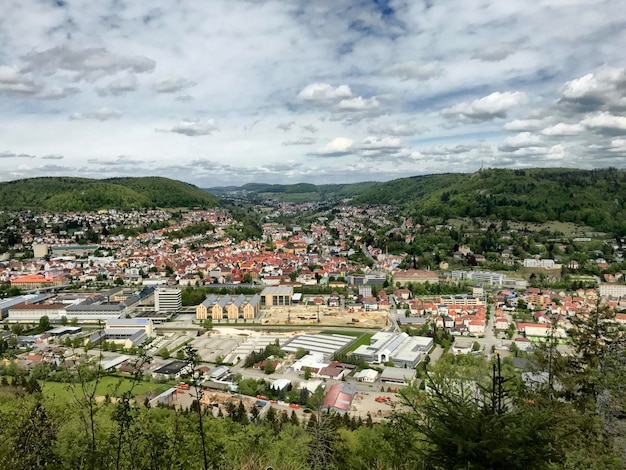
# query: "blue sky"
{"points": [[327, 91]]}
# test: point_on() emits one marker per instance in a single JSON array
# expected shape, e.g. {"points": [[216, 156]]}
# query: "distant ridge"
{"points": [[64, 194], [596, 198], [299, 192]]}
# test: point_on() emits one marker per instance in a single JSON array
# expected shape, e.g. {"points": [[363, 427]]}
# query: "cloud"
{"points": [[100, 114], [606, 123], [87, 64], [121, 160], [322, 93], [338, 147], [495, 105], [374, 143], [184, 98], [359, 104], [52, 157], [494, 54], [309, 128], [300, 141], [286, 126], [521, 140], [414, 70], [192, 128], [602, 89], [14, 82], [395, 129], [15, 155], [525, 125], [563, 129], [119, 86], [445, 150], [173, 85]]}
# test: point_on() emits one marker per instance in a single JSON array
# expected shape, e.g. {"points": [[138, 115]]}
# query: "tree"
{"points": [[307, 373], [44, 323], [269, 368], [118, 281], [164, 353], [465, 421]]}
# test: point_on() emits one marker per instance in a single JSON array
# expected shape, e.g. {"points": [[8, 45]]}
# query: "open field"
{"points": [[364, 339], [308, 314], [106, 386]]}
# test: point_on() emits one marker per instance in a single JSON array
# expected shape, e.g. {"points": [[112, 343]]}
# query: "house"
{"points": [[366, 375], [501, 323], [476, 327]]}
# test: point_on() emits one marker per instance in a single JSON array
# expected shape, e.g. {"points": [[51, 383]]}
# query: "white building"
{"points": [[612, 290], [403, 350], [366, 375], [167, 299]]}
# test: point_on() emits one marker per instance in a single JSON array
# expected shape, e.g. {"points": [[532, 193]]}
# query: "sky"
{"points": [[227, 92]]}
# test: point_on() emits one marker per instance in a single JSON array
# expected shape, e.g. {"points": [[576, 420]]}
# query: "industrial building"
{"points": [[129, 332], [395, 375], [401, 349], [339, 398], [327, 345]]}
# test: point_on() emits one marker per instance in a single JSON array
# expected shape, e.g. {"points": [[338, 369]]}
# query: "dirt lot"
{"points": [[307, 315]]}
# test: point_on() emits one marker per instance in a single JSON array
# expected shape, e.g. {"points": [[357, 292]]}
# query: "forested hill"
{"points": [[592, 197], [300, 192], [82, 194]]}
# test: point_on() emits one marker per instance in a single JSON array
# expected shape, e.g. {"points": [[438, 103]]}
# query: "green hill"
{"points": [[300, 192], [596, 198], [82, 194]]}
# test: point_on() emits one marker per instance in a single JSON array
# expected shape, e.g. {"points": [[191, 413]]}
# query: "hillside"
{"points": [[301, 192], [596, 198], [81, 194]]}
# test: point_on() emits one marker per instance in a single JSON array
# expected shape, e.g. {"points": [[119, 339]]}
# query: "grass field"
{"points": [[106, 386], [364, 339]]}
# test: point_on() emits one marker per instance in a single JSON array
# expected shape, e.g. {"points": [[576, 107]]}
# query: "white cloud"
{"points": [[495, 105], [119, 86], [192, 128], [380, 143], [173, 85], [323, 93], [337, 147], [605, 121], [524, 125], [12, 81], [301, 141], [414, 70], [521, 140], [394, 65], [100, 114], [359, 104], [88, 64], [563, 129], [286, 126], [397, 129]]}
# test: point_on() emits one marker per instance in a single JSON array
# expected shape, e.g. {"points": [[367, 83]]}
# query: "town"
{"points": [[338, 300]]}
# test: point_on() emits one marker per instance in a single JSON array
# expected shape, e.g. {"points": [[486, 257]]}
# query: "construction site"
{"points": [[334, 316]]}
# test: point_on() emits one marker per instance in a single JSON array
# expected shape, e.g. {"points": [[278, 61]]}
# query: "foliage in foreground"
{"points": [[471, 415]]}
